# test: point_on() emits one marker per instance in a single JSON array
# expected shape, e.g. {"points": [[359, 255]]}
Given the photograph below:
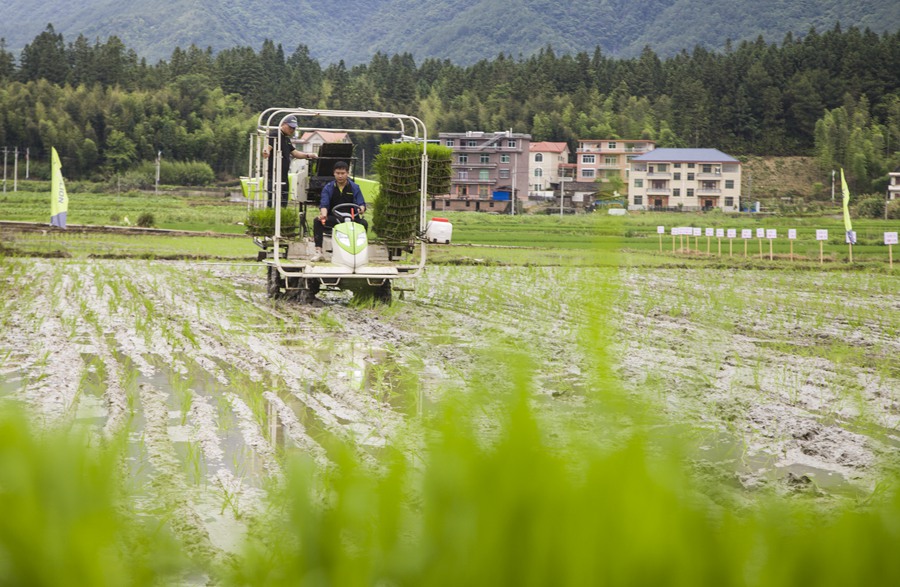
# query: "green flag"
{"points": [[59, 199]]}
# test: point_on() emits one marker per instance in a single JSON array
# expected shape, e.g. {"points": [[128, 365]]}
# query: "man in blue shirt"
{"points": [[339, 191]]}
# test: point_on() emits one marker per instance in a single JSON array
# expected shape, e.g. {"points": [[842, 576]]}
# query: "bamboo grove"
{"points": [[835, 95]]}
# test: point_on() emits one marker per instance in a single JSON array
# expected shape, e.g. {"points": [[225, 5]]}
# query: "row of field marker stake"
{"points": [[770, 234]]}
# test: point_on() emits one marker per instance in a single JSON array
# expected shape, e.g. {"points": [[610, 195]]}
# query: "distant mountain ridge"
{"points": [[463, 31]]}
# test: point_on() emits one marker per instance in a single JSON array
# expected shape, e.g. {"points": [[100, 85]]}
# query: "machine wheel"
{"points": [[274, 283], [383, 292], [307, 295]]}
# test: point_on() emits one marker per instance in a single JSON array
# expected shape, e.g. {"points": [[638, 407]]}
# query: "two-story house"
{"points": [[545, 161], [488, 169], [605, 158], [687, 179]]}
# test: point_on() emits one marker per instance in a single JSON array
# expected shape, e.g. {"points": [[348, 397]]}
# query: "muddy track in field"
{"points": [[214, 383]]}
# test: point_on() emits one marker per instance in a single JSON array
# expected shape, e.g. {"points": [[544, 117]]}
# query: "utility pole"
{"points": [[832, 185], [4, 170], [158, 158], [562, 193], [27, 160], [16, 170]]}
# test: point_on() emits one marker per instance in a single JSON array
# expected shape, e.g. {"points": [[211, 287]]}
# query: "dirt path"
{"points": [[779, 380]]}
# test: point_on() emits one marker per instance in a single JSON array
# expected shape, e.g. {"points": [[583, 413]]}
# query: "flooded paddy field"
{"points": [[778, 382]]}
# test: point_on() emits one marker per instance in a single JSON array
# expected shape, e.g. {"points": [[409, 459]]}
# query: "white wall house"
{"points": [[544, 161], [685, 179]]}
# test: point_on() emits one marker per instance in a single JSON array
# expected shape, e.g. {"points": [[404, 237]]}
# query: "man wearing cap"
{"points": [[288, 152]]}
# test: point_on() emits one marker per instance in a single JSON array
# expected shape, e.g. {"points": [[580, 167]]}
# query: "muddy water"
{"points": [[214, 384]]}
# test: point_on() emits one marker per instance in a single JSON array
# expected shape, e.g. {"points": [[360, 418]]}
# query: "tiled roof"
{"points": [[328, 137], [547, 147], [686, 156]]}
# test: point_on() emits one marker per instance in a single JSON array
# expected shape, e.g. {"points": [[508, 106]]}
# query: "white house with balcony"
{"points": [[544, 163], [685, 179]]}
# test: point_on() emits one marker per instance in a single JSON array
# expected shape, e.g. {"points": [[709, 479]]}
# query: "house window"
{"points": [[471, 143], [639, 200], [491, 204], [690, 192], [464, 190], [639, 183], [449, 142], [677, 176], [537, 187], [468, 204], [729, 184], [463, 175], [504, 158], [504, 174], [690, 165], [511, 144], [538, 157], [587, 159], [676, 165], [611, 160], [690, 177], [611, 145], [662, 167], [729, 201], [706, 168], [538, 172], [482, 191], [485, 158], [484, 175], [463, 159], [587, 173], [676, 192]]}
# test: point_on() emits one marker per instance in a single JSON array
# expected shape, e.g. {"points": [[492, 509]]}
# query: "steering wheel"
{"points": [[345, 212]]}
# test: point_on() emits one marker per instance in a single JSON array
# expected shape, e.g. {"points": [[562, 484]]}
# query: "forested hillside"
{"points": [[835, 95], [464, 31]]}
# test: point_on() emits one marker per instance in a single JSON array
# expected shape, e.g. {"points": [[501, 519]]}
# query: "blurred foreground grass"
{"points": [[466, 511], [63, 517]]}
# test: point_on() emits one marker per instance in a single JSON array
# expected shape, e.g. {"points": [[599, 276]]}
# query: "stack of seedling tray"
{"points": [[395, 213]]}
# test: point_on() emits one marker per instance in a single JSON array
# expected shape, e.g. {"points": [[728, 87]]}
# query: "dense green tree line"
{"points": [[833, 94]]}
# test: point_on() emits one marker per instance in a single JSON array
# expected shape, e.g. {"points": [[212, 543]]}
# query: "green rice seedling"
{"points": [[192, 462], [327, 320], [188, 333]]}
